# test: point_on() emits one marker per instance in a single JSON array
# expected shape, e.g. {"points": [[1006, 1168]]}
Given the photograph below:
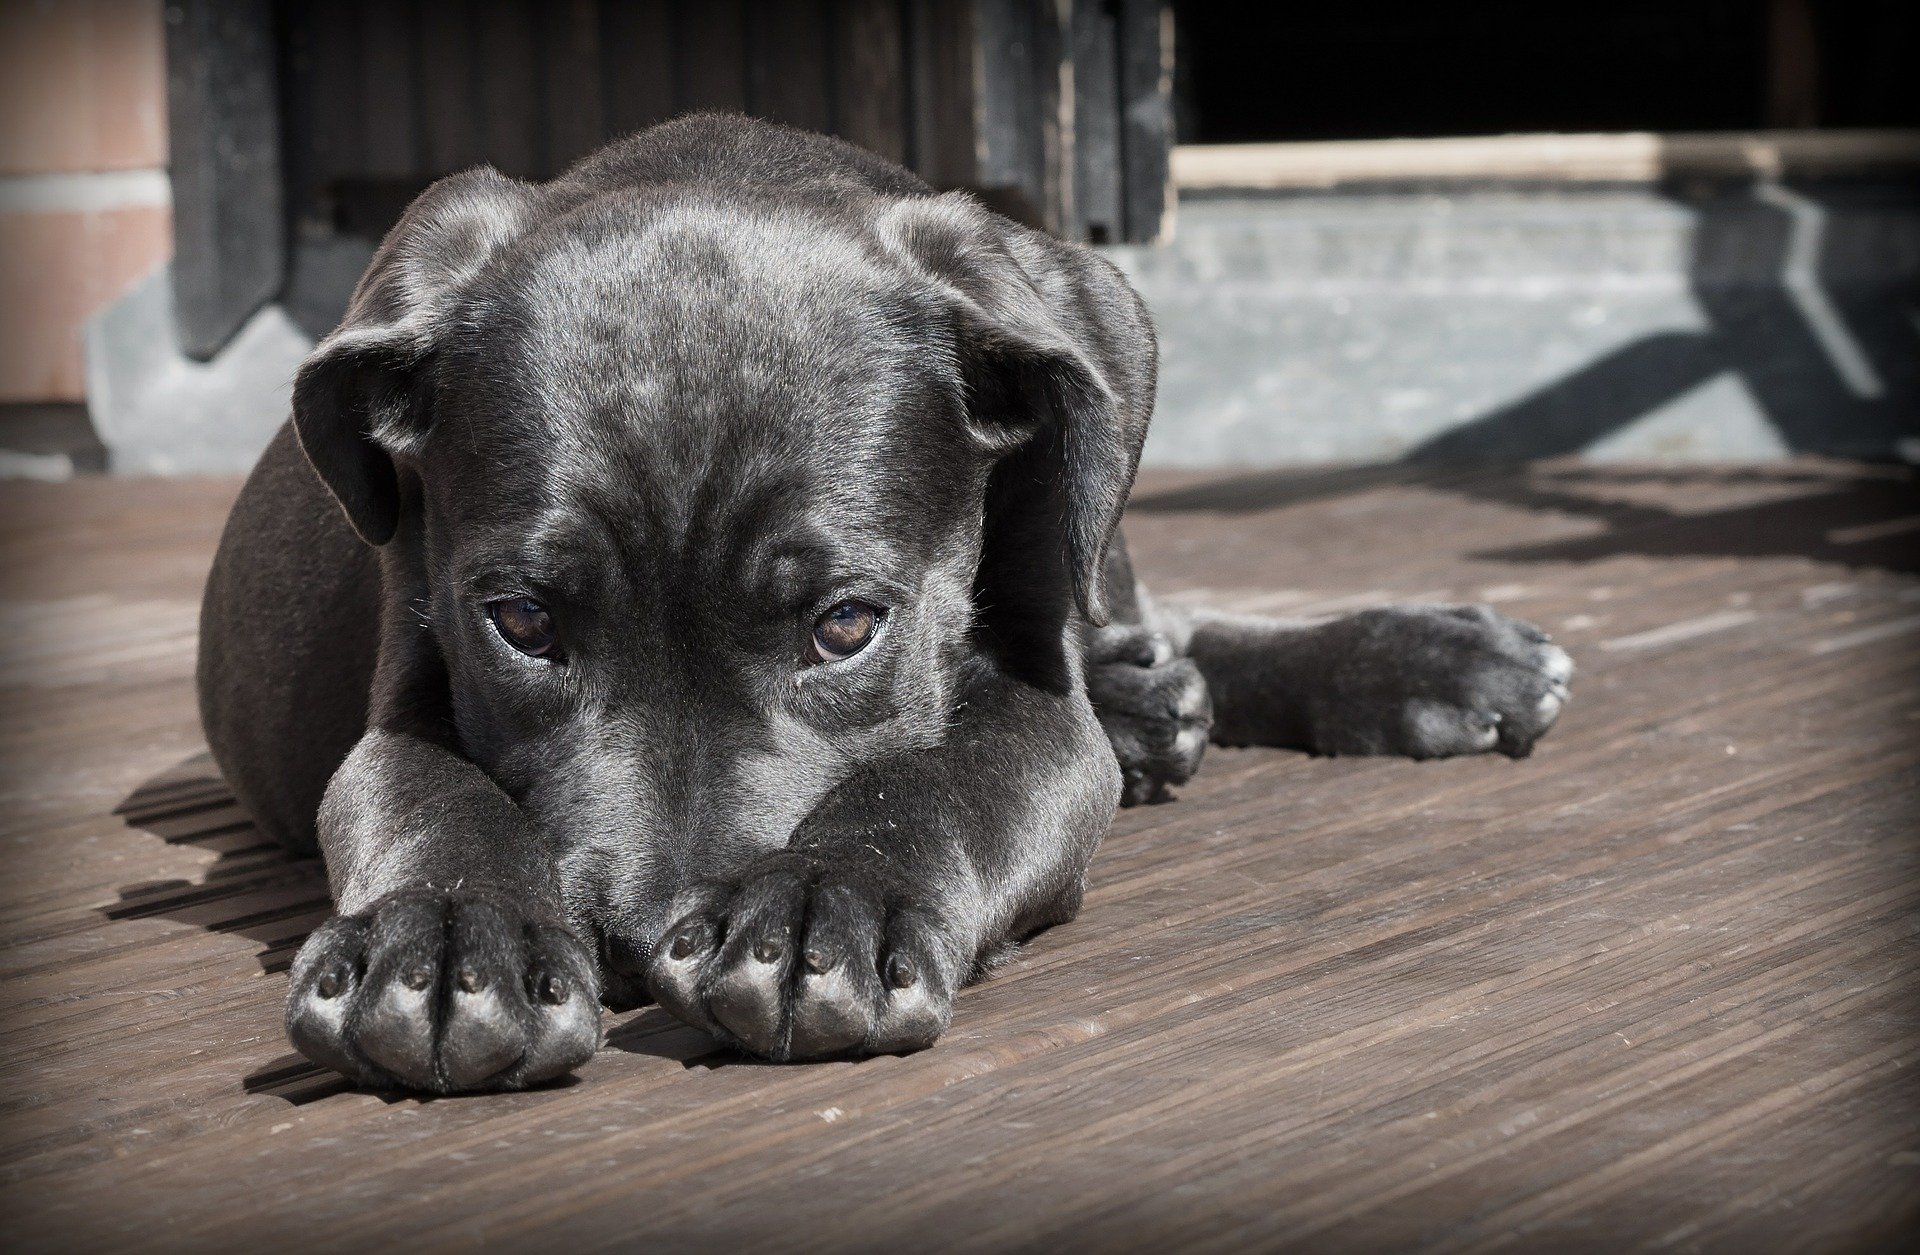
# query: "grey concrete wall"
{"points": [[1614, 323], [1334, 328]]}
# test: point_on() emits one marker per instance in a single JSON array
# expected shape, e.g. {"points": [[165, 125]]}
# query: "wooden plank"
{"points": [[710, 59], [449, 89], [870, 76], [1638, 157], [571, 60], [943, 49], [1654, 986], [223, 109], [636, 57], [1146, 137], [389, 88], [1099, 215], [789, 62], [510, 115], [1018, 64]]}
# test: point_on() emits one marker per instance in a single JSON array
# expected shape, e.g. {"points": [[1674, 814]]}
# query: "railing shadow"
{"points": [[254, 889], [1865, 517]]}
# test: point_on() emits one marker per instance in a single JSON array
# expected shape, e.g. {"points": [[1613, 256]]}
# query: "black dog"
{"points": [[732, 612]]}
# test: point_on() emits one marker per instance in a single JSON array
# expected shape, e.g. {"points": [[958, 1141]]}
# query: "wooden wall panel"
{"points": [[574, 114], [229, 227], [710, 62], [389, 89], [1146, 113], [1097, 212], [636, 59], [1055, 111], [870, 84], [509, 90], [789, 62], [449, 92]]}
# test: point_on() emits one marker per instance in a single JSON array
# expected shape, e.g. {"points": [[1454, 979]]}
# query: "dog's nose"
{"points": [[623, 973]]}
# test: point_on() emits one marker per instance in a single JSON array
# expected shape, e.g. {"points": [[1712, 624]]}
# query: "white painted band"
{"points": [[66, 193]]}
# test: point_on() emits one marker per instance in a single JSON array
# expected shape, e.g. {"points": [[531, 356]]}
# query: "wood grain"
{"points": [[1653, 987]]}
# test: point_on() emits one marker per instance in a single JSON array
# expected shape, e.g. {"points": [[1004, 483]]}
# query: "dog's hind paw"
{"points": [[444, 992], [1439, 681], [806, 957], [1154, 706]]}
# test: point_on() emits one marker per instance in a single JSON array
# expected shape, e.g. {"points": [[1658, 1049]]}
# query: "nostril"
{"points": [[817, 960], [769, 949], [419, 977]]}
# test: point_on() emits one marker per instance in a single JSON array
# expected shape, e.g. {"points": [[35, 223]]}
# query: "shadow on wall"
{"points": [[1823, 336]]}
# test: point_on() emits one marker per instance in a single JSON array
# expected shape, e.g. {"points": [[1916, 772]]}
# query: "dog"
{"points": [[698, 578]]}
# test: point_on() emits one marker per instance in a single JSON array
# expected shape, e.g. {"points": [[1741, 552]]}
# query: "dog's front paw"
{"points": [[444, 992], [1437, 681], [1154, 706], [805, 957]]}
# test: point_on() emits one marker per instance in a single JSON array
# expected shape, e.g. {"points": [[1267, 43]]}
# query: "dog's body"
{"points": [[697, 578]]}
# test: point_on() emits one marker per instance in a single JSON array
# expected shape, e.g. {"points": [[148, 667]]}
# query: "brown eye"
{"points": [[845, 630], [524, 624]]}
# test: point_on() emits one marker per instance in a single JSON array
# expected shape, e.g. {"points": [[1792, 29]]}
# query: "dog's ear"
{"points": [[1056, 353], [359, 399]]}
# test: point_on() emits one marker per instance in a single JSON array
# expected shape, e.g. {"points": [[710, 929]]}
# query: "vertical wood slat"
{"points": [[509, 98], [327, 110], [1020, 144], [1146, 113], [449, 104], [1098, 210], [575, 122], [869, 75], [390, 117], [710, 62], [944, 129], [788, 60], [636, 59], [223, 112]]}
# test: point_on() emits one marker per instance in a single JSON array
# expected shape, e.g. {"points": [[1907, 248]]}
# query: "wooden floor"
{"points": [[1655, 986]]}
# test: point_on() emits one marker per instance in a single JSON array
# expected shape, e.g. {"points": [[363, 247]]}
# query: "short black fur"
{"points": [[717, 379]]}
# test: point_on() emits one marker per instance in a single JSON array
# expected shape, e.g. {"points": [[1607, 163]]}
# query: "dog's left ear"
{"points": [[1055, 348], [361, 398]]}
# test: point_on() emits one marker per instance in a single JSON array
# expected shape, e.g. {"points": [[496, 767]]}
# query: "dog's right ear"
{"points": [[360, 400]]}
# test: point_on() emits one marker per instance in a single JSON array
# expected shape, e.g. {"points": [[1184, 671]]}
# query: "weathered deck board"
{"points": [[1656, 985]]}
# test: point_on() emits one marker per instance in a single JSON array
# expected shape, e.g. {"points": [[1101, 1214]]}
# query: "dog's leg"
{"points": [[901, 885], [449, 965], [1425, 681]]}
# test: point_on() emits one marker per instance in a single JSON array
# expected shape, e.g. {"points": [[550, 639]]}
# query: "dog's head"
{"points": [[706, 497]]}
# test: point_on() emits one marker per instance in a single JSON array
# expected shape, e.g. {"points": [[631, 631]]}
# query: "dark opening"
{"points": [[1255, 72]]}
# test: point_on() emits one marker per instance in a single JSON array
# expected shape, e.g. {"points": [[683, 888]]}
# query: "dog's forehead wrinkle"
{"points": [[684, 298]]}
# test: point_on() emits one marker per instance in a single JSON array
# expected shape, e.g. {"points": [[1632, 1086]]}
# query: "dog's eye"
{"points": [[845, 630], [524, 624]]}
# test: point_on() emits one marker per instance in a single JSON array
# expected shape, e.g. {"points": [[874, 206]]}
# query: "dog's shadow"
{"points": [[253, 888]]}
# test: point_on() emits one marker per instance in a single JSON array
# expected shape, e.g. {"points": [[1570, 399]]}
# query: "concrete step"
{"points": [[1614, 323]]}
